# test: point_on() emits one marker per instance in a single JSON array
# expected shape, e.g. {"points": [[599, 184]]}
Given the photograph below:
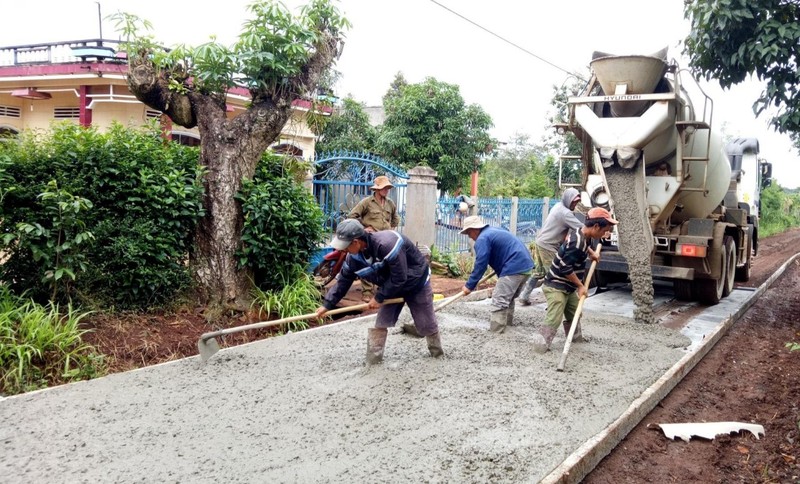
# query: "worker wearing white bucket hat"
{"points": [[510, 260]]}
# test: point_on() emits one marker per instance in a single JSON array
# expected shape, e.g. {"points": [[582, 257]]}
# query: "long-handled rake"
{"points": [[576, 319], [207, 344], [409, 328]]}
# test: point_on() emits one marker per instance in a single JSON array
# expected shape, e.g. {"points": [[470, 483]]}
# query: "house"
{"points": [[85, 81]]}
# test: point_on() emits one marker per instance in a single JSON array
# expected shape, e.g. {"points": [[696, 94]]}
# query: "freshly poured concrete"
{"points": [[303, 408]]}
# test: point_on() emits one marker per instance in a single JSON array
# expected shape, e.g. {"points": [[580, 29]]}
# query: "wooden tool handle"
{"points": [[577, 316]]}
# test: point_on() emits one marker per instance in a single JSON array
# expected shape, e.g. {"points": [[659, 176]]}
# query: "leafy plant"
{"points": [[282, 225], [40, 347], [298, 294], [793, 346], [145, 195], [56, 243]]}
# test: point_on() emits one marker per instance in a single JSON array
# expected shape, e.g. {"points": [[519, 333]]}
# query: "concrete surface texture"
{"points": [[304, 408]]}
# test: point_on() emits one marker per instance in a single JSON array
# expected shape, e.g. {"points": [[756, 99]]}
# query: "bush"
{"points": [[145, 198], [282, 224], [779, 211]]}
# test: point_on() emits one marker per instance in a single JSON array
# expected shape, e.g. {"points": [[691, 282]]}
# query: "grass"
{"points": [[298, 296], [41, 347]]}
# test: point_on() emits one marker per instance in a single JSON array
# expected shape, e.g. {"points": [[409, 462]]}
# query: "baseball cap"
{"points": [[347, 231], [598, 212]]}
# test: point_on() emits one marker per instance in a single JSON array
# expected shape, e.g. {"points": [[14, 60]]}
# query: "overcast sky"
{"points": [[420, 38]]}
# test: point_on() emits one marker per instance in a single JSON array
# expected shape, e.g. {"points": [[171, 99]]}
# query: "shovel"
{"points": [[577, 316], [409, 328], [207, 344]]}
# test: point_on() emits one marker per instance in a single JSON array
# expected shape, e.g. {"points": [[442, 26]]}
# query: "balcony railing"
{"points": [[61, 52]]}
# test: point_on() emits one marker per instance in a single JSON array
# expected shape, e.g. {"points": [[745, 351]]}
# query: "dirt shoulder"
{"points": [[749, 376]]}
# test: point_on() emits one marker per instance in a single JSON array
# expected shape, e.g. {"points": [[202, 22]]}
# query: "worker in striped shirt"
{"points": [[563, 284]]}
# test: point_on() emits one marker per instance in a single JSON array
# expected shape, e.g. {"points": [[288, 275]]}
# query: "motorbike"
{"points": [[329, 266]]}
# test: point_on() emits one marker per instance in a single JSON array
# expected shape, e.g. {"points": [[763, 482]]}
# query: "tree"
{"points": [[731, 39], [348, 129], [517, 170], [278, 58], [429, 123]]}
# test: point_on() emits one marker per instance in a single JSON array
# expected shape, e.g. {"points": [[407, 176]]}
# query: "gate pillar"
{"points": [[421, 198]]}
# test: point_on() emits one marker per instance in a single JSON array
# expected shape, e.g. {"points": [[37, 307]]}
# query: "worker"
{"points": [[394, 263], [376, 212], [510, 260], [560, 220], [563, 284]]}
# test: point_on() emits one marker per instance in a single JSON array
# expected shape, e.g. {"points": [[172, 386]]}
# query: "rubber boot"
{"points": [[578, 336], [435, 345], [510, 315], [543, 339], [532, 283], [498, 321], [410, 329], [376, 342]]}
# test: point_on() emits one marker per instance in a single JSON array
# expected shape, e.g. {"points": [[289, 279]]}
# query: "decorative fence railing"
{"points": [[522, 216]]}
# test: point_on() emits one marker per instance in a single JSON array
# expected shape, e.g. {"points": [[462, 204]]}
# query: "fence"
{"points": [[520, 216]]}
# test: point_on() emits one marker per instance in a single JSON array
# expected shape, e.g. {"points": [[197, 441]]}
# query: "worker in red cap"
{"points": [[563, 285]]}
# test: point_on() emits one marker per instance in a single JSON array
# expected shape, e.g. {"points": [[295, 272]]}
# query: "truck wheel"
{"points": [[743, 272], [709, 291], [730, 266], [683, 289]]}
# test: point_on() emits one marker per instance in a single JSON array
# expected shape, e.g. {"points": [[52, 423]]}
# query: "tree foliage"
{"points": [[731, 39], [429, 123], [278, 58], [516, 170], [348, 129]]}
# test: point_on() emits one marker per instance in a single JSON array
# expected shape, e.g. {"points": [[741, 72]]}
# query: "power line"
{"points": [[508, 41]]}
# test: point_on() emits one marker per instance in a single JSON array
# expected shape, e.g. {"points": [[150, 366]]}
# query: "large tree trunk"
{"points": [[230, 153]]}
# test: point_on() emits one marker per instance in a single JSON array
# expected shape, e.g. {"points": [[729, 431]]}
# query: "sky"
{"points": [[428, 38]]}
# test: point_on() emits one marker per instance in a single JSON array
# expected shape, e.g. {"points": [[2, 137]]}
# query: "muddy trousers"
{"points": [[503, 295]]}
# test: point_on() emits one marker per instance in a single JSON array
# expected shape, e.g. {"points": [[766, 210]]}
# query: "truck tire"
{"points": [[683, 290], [743, 272], [709, 291], [730, 265]]}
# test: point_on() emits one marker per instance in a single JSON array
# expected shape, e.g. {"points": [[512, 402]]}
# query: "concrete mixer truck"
{"points": [[688, 207]]}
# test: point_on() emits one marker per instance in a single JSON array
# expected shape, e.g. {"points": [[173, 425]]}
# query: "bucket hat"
{"points": [[380, 183], [473, 222]]}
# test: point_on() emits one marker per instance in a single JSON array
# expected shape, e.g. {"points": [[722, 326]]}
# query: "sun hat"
{"points": [[380, 183], [347, 231], [473, 222], [598, 212]]}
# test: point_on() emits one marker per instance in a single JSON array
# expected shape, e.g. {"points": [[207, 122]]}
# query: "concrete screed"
{"points": [[304, 408]]}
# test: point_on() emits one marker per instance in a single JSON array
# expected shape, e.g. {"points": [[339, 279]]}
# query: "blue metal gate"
{"points": [[343, 178]]}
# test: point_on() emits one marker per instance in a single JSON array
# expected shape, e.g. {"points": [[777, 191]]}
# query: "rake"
{"points": [[207, 344]]}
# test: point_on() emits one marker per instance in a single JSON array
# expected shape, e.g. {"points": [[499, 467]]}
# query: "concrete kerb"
{"points": [[581, 462]]}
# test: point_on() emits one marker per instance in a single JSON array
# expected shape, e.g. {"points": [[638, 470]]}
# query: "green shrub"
{"points": [[779, 211], [40, 347], [146, 197], [282, 224]]}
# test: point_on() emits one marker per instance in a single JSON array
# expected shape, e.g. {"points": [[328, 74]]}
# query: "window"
{"points": [[10, 111], [67, 113]]}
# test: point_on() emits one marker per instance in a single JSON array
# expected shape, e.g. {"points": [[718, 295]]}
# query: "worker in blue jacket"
{"points": [[510, 260]]}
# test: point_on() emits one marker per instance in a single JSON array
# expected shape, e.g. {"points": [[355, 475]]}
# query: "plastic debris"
{"points": [[708, 430]]}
